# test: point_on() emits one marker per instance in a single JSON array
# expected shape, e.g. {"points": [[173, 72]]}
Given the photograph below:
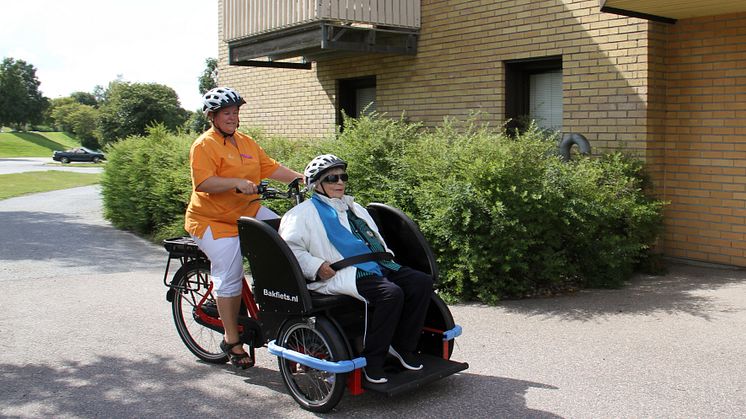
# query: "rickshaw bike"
{"points": [[317, 338]]}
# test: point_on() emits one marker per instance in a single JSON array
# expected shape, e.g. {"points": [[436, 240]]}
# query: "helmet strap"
{"points": [[223, 133], [323, 190]]}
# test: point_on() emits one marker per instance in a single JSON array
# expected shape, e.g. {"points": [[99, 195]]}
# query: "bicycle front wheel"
{"points": [[314, 390], [195, 312]]}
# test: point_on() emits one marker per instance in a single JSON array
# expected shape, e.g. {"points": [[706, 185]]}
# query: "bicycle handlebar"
{"points": [[267, 192]]}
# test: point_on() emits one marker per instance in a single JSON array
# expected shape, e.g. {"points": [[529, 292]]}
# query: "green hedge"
{"points": [[505, 216], [146, 183]]}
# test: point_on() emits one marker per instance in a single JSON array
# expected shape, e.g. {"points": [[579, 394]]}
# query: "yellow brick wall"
{"points": [[459, 68], [290, 103], [705, 129], [674, 95]]}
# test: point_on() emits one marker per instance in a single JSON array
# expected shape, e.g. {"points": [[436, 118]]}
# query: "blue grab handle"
{"points": [[319, 364], [453, 333]]}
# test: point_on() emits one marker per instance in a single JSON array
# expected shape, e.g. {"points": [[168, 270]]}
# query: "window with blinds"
{"points": [[533, 91], [545, 99], [365, 101]]}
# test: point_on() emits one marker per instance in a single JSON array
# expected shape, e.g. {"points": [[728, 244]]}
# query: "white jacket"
{"points": [[302, 229]]}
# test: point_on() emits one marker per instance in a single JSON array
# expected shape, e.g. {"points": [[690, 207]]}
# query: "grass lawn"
{"points": [[34, 144], [16, 184]]}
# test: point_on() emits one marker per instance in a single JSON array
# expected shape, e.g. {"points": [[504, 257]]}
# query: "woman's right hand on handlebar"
{"points": [[246, 187]]}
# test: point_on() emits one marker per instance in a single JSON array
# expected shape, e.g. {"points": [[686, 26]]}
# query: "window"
{"points": [[533, 90], [356, 97]]}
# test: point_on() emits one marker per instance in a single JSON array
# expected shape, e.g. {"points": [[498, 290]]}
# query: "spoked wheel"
{"points": [[314, 390], [192, 285]]}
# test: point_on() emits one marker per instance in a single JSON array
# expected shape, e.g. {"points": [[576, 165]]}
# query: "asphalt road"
{"points": [[87, 333], [36, 164]]}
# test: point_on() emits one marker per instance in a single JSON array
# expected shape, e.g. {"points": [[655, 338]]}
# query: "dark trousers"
{"points": [[399, 302]]}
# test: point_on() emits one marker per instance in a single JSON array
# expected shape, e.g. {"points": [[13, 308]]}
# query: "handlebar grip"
{"points": [[261, 188]]}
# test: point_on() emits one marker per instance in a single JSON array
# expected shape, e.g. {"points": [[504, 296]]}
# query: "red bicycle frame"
{"points": [[246, 296]]}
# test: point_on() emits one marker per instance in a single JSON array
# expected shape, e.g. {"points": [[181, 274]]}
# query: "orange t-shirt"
{"points": [[211, 155]]}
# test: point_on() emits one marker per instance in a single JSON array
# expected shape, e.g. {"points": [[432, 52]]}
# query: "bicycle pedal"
{"points": [[211, 310]]}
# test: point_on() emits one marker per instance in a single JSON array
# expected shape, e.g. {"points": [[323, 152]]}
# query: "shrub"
{"points": [[505, 215], [146, 183], [374, 147]]}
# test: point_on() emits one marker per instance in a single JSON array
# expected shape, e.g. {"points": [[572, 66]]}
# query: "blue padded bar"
{"points": [[319, 364], [452, 334]]}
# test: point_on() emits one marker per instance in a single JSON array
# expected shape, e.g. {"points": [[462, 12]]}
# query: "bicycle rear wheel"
{"points": [[200, 332]]}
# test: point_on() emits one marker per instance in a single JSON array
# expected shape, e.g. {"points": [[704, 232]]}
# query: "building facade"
{"points": [[671, 91]]}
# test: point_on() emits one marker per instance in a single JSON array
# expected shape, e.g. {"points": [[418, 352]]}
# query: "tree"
{"points": [[99, 93], [59, 112], [69, 115], [197, 122], [129, 108], [21, 102], [85, 98], [209, 78], [84, 120]]}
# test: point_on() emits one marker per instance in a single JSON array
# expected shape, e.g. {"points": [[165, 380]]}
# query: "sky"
{"points": [[78, 44]]}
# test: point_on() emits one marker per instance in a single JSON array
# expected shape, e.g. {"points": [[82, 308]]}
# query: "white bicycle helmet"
{"points": [[321, 164], [220, 97]]}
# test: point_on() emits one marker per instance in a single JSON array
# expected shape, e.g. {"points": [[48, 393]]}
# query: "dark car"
{"points": [[78, 154]]}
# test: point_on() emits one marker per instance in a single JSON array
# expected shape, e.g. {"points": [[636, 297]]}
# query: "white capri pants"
{"points": [[226, 261]]}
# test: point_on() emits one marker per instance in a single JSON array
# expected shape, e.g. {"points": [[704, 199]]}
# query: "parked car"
{"points": [[78, 154]]}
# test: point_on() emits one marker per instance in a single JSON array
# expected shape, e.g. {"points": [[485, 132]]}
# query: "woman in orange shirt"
{"points": [[224, 162]]}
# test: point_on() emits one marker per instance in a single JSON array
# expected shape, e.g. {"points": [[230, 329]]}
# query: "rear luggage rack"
{"points": [[182, 248], [179, 247]]}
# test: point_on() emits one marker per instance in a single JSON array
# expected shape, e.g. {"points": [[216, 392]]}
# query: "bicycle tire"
{"points": [[191, 284], [315, 390]]}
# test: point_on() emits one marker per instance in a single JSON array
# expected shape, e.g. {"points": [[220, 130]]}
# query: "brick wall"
{"points": [[284, 102], [706, 139], [674, 95], [459, 69]]}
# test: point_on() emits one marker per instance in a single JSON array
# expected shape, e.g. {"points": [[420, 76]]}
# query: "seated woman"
{"points": [[330, 227]]}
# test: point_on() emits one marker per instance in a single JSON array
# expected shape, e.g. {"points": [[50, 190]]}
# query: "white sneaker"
{"points": [[378, 377], [407, 359]]}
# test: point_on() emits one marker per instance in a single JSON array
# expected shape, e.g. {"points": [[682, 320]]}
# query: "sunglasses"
{"points": [[335, 178]]}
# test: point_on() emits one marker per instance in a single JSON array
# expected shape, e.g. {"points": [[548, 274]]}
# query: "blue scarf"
{"points": [[342, 239]]}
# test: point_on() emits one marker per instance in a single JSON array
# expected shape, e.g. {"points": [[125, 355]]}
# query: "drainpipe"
{"points": [[572, 138]]}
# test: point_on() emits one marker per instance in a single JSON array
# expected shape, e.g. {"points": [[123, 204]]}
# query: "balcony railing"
{"points": [[247, 18]]}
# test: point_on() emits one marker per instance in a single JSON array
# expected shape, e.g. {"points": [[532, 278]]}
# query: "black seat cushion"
{"points": [[326, 302]]}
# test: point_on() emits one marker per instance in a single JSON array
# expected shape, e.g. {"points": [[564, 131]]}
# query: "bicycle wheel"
{"points": [[314, 390], [192, 285]]}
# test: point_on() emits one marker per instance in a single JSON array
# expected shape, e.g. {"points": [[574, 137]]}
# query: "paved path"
{"points": [[37, 164], [87, 333]]}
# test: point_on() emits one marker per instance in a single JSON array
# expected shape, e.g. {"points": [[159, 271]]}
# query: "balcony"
{"points": [[265, 32]]}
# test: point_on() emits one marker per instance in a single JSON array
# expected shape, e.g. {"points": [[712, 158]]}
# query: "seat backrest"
{"points": [[279, 286], [404, 237]]}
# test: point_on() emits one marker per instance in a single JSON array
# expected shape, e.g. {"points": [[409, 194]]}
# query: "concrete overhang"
{"points": [[319, 41], [670, 11]]}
